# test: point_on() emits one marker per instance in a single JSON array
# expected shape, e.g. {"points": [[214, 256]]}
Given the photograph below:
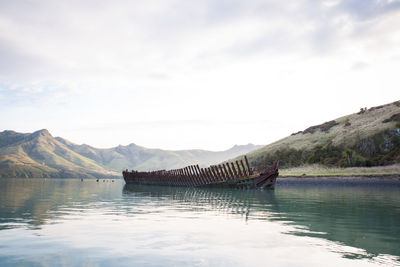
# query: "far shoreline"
{"points": [[316, 171], [341, 181], [327, 177]]}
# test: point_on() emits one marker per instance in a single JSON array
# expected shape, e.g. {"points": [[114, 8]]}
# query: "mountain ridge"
{"points": [[370, 137], [133, 156], [39, 154]]}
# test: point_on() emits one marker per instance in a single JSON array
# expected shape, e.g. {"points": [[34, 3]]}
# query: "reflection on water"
{"points": [[44, 221], [363, 216]]}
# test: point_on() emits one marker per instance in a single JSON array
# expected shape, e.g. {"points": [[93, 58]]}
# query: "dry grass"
{"points": [[361, 125], [319, 170]]}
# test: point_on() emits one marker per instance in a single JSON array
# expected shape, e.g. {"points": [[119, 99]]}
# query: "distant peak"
{"points": [[242, 146], [42, 132], [8, 132]]}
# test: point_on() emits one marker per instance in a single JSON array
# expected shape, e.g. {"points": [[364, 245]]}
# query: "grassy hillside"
{"points": [[370, 137], [367, 138], [40, 155]]}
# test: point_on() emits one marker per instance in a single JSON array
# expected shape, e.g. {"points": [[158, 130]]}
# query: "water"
{"points": [[69, 222]]}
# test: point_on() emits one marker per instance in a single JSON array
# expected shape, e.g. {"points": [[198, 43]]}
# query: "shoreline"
{"points": [[342, 182], [327, 177], [322, 172]]}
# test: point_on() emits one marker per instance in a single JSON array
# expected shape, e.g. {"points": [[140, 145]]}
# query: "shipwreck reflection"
{"points": [[232, 201], [364, 217]]}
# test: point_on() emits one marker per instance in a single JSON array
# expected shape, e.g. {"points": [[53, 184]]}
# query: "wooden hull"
{"points": [[215, 176]]}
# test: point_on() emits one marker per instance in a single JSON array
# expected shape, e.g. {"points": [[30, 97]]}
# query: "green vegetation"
{"points": [[364, 139], [40, 155], [338, 156]]}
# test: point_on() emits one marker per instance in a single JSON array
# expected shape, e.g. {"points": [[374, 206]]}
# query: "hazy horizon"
{"points": [[132, 143], [193, 75]]}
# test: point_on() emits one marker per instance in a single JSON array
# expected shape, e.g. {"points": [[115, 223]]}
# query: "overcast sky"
{"points": [[184, 74]]}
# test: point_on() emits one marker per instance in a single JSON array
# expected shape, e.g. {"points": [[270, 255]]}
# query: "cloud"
{"points": [[44, 93], [77, 40], [105, 61], [367, 10], [360, 65], [17, 62]]}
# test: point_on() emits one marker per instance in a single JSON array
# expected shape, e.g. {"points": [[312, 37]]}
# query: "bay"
{"points": [[69, 222]]}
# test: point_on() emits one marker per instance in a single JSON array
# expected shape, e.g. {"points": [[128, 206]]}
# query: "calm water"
{"points": [[67, 222]]}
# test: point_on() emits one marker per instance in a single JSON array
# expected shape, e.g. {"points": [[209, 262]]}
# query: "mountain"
{"points": [[39, 154], [140, 158], [370, 137]]}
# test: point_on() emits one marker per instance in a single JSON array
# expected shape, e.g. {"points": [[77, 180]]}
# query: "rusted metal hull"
{"points": [[223, 175]]}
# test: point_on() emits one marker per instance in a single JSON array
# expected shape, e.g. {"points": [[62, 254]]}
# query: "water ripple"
{"points": [[104, 224]]}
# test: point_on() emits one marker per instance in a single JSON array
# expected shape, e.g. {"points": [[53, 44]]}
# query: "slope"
{"points": [[140, 158], [40, 155], [370, 137]]}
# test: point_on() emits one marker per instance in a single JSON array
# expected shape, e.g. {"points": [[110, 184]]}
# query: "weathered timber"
{"points": [[234, 170], [214, 175], [207, 175], [239, 171], [233, 174], [197, 168], [192, 176], [223, 175], [230, 171], [220, 178], [198, 178], [248, 165], [244, 169], [226, 172], [211, 175], [202, 177], [185, 175], [203, 174]]}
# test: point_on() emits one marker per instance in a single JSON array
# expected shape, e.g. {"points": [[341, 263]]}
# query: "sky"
{"points": [[179, 74]]}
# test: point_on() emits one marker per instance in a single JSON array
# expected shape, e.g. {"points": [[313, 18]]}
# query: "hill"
{"points": [[39, 154], [370, 137], [140, 158], [367, 138]]}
